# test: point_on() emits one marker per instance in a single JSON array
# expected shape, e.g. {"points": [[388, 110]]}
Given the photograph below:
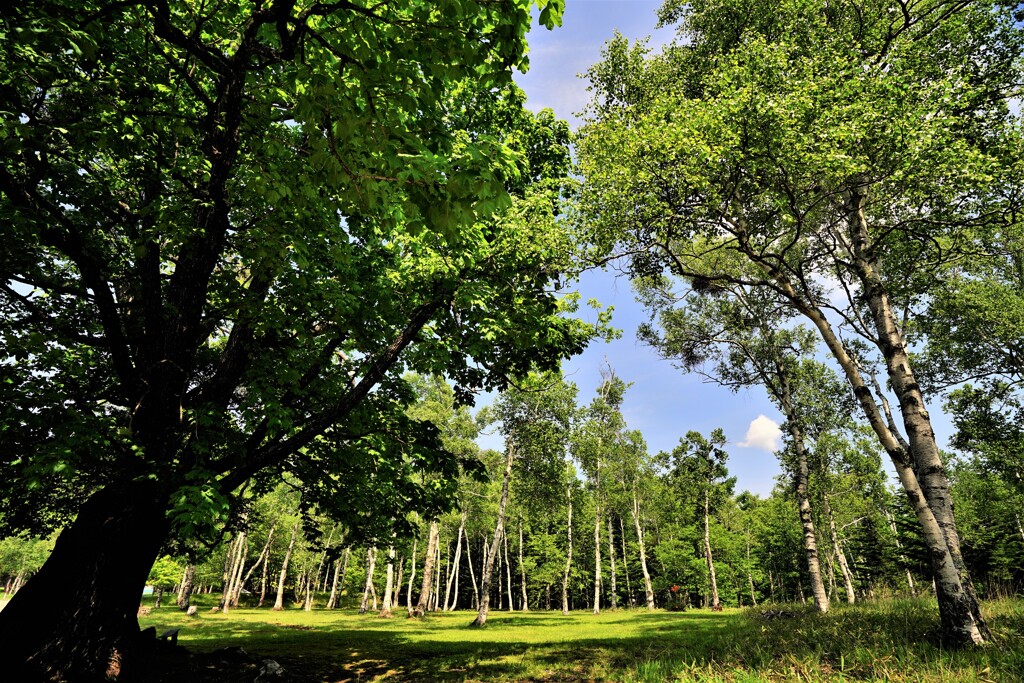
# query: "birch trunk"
{"points": [[412, 578], [279, 600], [423, 603], [508, 574], [641, 546], [716, 605], [389, 585], [525, 605], [472, 575], [611, 558], [568, 556], [368, 588], [455, 565], [625, 565]]}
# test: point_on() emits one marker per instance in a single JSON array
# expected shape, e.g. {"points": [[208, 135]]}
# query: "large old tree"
{"points": [[846, 152], [229, 229]]}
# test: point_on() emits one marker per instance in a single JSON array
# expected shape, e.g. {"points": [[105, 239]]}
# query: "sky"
{"points": [[663, 402]]}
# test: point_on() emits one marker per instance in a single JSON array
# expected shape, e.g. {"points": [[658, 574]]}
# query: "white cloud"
{"points": [[763, 433]]}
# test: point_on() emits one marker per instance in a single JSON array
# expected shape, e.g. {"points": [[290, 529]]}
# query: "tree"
{"points": [[846, 154], [232, 228]]}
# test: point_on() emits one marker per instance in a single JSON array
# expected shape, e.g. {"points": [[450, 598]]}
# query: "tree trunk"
{"points": [[423, 604], [389, 586], [716, 605], [436, 595], [568, 555], [472, 575], [844, 566], [264, 554], [903, 558], [641, 546], [499, 532], [371, 562], [88, 589], [263, 581], [508, 574], [625, 566], [412, 577], [332, 600], [185, 590], [279, 600], [398, 583], [597, 539], [611, 558], [236, 577], [453, 574], [525, 606]]}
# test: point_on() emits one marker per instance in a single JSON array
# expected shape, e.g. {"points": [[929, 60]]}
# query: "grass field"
{"points": [[885, 641]]}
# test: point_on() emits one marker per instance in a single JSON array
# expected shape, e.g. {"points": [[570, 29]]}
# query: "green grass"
{"points": [[886, 641]]}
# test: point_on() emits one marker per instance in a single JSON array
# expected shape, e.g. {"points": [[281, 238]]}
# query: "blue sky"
{"points": [[663, 403]]}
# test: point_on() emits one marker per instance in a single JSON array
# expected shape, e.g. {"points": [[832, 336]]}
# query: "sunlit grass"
{"points": [[886, 641]]}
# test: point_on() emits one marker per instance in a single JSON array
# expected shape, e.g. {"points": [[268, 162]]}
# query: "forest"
{"points": [[273, 270]]}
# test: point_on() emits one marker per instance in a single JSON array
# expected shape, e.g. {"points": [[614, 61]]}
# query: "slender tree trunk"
{"points": [[455, 565], [236, 585], [332, 600], [597, 538], [499, 532], [501, 588], [159, 591], [611, 558], [279, 600], [525, 606], [716, 605], [844, 566], [412, 578], [423, 604], [368, 588], [389, 586], [264, 554], [396, 599], [625, 566], [185, 591], [641, 546], [472, 575], [436, 595], [568, 555], [230, 559], [263, 581], [508, 575]]}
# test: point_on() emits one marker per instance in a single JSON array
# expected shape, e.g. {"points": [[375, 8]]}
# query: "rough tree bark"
{"points": [[92, 563], [185, 590]]}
